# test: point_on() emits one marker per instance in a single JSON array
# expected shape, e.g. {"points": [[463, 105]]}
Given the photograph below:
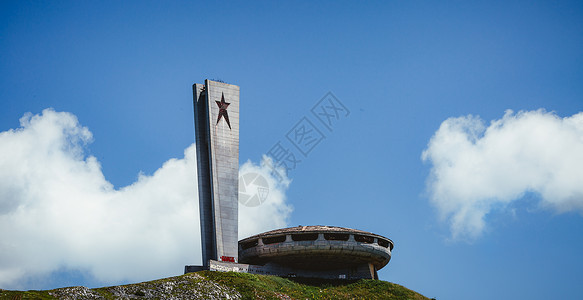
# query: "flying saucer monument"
{"points": [[305, 251]]}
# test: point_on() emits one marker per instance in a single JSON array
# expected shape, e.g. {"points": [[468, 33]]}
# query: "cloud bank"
{"points": [[58, 211], [478, 169]]}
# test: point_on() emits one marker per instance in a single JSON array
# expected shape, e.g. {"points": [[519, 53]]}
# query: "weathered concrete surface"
{"points": [[318, 251], [361, 271], [216, 110]]}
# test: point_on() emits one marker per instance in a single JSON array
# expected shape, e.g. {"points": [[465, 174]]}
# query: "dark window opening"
{"points": [[274, 239], [363, 239], [305, 237], [249, 244], [336, 236], [384, 243]]}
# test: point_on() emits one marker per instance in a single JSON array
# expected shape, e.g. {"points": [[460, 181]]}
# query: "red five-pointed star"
{"points": [[223, 110]]}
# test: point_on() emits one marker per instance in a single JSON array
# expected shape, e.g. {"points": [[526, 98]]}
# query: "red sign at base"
{"points": [[228, 258]]}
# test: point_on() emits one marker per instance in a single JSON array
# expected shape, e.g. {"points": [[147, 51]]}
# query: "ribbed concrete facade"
{"points": [[317, 251], [216, 111]]}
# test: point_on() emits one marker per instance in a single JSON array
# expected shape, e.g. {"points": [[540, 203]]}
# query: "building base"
{"points": [[363, 271]]}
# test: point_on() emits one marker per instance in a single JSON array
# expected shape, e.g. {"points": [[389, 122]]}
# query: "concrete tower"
{"points": [[216, 115]]}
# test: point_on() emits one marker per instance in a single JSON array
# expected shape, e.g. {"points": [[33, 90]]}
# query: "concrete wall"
{"points": [[217, 145], [202, 141], [316, 254], [361, 271]]}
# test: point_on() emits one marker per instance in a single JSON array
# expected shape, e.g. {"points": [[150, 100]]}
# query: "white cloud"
{"points": [[274, 210], [58, 211], [478, 169]]}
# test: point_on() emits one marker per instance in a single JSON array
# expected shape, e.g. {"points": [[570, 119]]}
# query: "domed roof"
{"points": [[322, 247], [313, 229]]}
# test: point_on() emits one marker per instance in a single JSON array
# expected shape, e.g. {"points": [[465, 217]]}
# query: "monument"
{"points": [[216, 111], [327, 252]]}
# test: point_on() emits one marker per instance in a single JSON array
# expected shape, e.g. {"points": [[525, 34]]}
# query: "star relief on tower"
{"points": [[223, 110]]}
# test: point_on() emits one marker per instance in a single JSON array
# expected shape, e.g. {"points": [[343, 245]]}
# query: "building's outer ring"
{"points": [[316, 248]]}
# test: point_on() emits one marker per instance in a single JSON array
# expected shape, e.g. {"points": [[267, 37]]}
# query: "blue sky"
{"points": [[487, 214]]}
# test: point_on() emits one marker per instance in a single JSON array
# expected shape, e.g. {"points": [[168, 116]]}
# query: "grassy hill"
{"points": [[218, 285]]}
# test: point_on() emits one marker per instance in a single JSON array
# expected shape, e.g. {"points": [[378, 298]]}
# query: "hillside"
{"points": [[217, 285]]}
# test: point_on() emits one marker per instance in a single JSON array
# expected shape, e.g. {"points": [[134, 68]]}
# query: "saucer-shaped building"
{"points": [[317, 251]]}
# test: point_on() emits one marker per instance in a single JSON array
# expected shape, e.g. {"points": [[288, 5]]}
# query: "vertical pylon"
{"points": [[216, 111]]}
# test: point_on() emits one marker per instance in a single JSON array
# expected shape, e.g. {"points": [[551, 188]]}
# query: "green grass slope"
{"points": [[218, 285]]}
